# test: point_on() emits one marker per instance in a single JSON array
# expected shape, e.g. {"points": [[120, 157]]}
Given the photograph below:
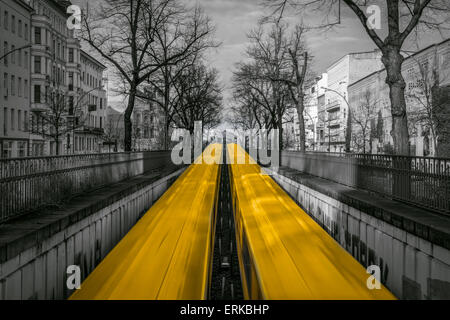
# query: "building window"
{"points": [[37, 35], [21, 149], [71, 105], [5, 52], [25, 63], [5, 121], [20, 28], [13, 54], [37, 93], [5, 20], [19, 57], [13, 85], [26, 31], [12, 119], [25, 89], [71, 55], [70, 81], [25, 121], [19, 120], [13, 24], [7, 148], [19, 87], [37, 64], [5, 83]]}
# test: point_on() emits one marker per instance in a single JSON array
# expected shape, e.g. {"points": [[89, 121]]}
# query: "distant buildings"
{"points": [[15, 21], [340, 75], [326, 107], [148, 126], [52, 95], [90, 109], [114, 130], [358, 80], [427, 77]]}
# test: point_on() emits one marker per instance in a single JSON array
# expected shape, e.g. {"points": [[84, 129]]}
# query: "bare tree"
{"points": [[125, 33], [363, 120], [427, 110], [403, 19], [113, 132], [173, 37], [198, 98], [262, 76], [64, 113], [295, 79], [253, 92]]}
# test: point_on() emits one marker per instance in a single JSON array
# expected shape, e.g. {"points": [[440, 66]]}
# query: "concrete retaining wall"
{"points": [[40, 271], [411, 267]]}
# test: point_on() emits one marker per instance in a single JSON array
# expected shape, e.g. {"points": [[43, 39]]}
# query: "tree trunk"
{"points": [[393, 60], [166, 110], [280, 138], [166, 132], [348, 133], [301, 123], [56, 145], [127, 118]]}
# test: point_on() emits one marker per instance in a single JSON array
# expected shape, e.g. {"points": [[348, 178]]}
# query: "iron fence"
{"points": [[420, 181], [29, 183]]}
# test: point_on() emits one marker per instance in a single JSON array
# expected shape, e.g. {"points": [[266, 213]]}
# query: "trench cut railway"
{"points": [[207, 238]]}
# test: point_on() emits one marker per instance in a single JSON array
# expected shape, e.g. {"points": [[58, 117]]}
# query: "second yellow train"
{"points": [[283, 253]]}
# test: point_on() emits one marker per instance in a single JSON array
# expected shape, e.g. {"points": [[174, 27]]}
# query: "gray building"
{"points": [[15, 20]]}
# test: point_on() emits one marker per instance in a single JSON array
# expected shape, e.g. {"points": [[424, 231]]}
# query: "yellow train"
{"points": [[168, 253], [283, 253]]}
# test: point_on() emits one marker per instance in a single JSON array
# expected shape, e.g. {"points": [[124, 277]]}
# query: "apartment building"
{"points": [[341, 74], [427, 77], [90, 106], [15, 21], [51, 40]]}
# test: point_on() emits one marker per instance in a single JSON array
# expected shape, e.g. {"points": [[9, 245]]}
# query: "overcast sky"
{"points": [[235, 18]]}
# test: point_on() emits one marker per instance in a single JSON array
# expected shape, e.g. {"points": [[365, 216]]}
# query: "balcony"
{"points": [[333, 106], [335, 123], [38, 107], [90, 130]]}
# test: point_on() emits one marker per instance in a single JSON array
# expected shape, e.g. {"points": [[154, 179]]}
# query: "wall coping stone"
{"points": [[425, 224], [24, 232]]}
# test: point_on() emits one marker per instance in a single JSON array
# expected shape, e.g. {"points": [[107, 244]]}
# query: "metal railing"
{"points": [[29, 183], [420, 181]]}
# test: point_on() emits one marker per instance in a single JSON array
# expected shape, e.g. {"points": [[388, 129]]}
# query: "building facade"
{"points": [[427, 77], [52, 93], [15, 21], [340, 75], [148, 124], [54, 58], [89, 107]]}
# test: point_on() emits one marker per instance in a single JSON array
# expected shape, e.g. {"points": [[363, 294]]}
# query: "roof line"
{"points": [[93, 59], [407, 58]]}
